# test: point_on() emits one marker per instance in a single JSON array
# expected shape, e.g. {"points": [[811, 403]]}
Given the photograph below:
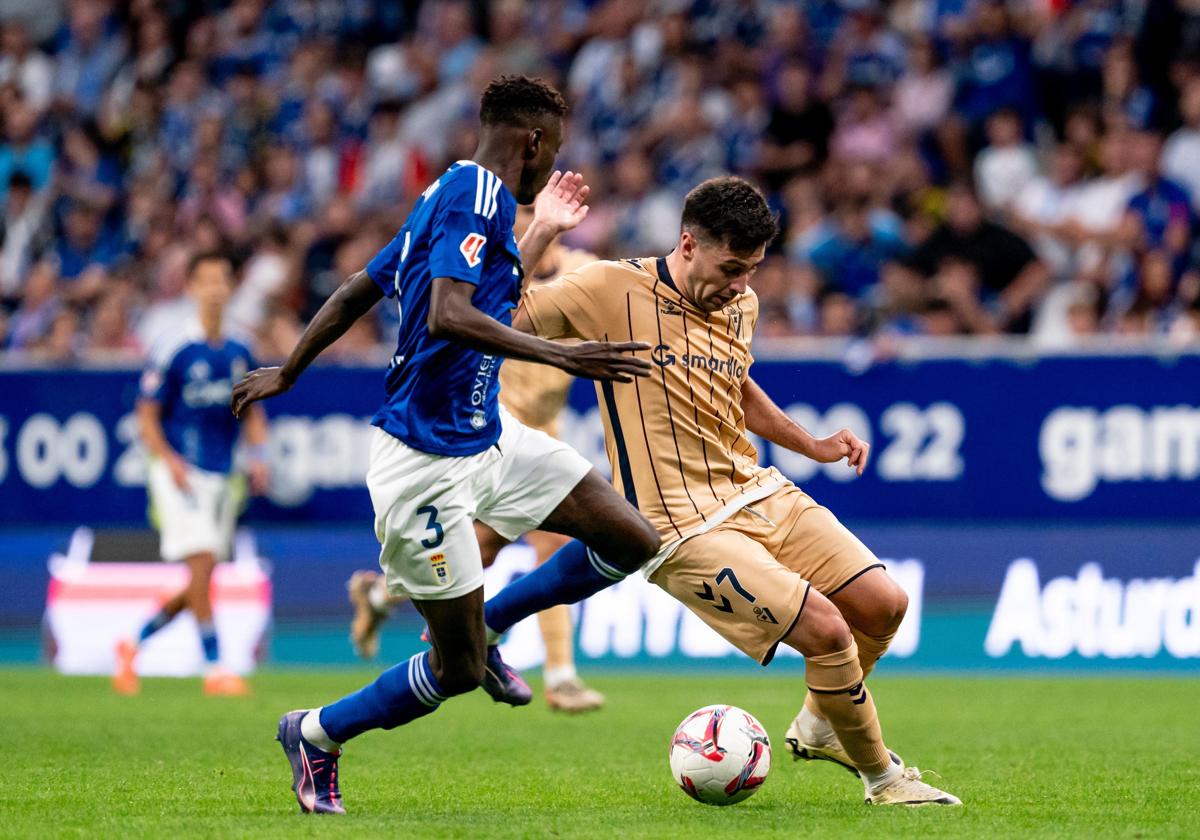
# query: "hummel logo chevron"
{"points": [[709, 595]]}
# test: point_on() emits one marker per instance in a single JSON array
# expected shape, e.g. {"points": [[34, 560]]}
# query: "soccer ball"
{"points": [[720, 755]]}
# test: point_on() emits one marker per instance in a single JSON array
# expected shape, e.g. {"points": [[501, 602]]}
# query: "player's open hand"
{"points": [[258, 385], [561, 205], [843, 444], [606, 360], [259, 476]]}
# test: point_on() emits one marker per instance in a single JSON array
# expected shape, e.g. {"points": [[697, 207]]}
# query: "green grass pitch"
{"points": [[1030, 757]]}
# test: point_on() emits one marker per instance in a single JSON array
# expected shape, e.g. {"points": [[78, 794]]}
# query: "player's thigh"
{"points": [[231, 496], [733, 583], [545, 484], [424, 520], [810, 540], [219, 498], [428, 548], [596, 514], [872, 602], [185, 519], [490, 543], [458, 639], [820, 628]]}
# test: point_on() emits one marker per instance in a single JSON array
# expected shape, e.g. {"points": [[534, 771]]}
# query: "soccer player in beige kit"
{"points": [[743, 547]]}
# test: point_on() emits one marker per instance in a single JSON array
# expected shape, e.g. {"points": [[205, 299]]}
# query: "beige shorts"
{"points": [[749, 577]]}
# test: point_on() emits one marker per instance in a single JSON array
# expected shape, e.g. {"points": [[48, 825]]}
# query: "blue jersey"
{"points": [[442, 396], [193, 381]]}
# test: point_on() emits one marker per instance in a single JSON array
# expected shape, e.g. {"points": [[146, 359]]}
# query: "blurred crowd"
{"points": [[940, 167]]}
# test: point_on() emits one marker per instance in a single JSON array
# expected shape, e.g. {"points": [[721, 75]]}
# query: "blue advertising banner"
{"points": [[981, 596], [1058, 439]]}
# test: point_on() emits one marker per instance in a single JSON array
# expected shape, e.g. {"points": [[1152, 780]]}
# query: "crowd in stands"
{"points": [[940, 167]]}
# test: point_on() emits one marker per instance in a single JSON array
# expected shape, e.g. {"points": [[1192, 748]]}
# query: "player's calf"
{"points": [[835, 680], [462, 675], [458, 660], [372, 605], [874, 605]]}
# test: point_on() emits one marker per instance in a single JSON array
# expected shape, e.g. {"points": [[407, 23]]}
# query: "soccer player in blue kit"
{"points": [[190, 438], [443, 453]]}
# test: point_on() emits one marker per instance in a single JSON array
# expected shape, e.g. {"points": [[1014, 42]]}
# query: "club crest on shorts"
{"points": [[438, 561]]}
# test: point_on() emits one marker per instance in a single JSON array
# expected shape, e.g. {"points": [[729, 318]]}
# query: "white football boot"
{"points": [[812, 738], [907, 788]]}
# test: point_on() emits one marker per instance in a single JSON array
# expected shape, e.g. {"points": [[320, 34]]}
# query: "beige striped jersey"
{"points": [[677, 439], [536, 394]]}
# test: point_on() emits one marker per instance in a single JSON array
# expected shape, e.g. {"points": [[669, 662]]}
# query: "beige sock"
{"points": [[837, 691], [870, 649], [555, 624]]}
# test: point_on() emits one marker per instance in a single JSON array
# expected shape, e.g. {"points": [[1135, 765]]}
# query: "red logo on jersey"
{"points": [[471, 246]]}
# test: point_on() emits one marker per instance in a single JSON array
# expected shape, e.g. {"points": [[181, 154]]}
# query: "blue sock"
{"points": [[208, 638], [156, 623], [571, 574], [401, 694]]}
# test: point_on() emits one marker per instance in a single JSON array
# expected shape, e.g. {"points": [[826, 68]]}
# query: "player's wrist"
{"points": [[804, 443], [560, 355], [540, 232], [287, 375]]}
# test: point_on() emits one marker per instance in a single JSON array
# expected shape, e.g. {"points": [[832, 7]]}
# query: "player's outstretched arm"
{"points": [[351, 301], [453, 316], [559, 207], [765, 418]]}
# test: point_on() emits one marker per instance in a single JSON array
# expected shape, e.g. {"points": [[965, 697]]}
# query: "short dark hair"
{"points": [[517, 100], [201, 257], [729, 210]]}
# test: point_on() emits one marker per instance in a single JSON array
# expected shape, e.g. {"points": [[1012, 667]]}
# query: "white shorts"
{"points": [[197, 522], [426, 505]]}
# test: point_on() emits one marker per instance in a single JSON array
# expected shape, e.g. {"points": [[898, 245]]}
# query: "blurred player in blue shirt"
{"points": [[190, 436]]}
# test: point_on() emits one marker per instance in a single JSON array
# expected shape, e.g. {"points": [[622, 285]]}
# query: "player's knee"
{"points": [[886, 612], [822, 627], [461, 676], [643, 541], [629, 545]]}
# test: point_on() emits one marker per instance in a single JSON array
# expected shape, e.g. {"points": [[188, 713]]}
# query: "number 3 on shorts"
{"points": [[433, 525]]}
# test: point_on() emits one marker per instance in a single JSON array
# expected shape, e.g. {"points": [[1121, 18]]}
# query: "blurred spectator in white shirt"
{"points": [[1044, 207], [1006, 164], [24, 67], [23, 232], [1181, 154]]}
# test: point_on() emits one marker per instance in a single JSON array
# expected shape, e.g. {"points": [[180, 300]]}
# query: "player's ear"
{"points": [[687, 245], [533, 144]]}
